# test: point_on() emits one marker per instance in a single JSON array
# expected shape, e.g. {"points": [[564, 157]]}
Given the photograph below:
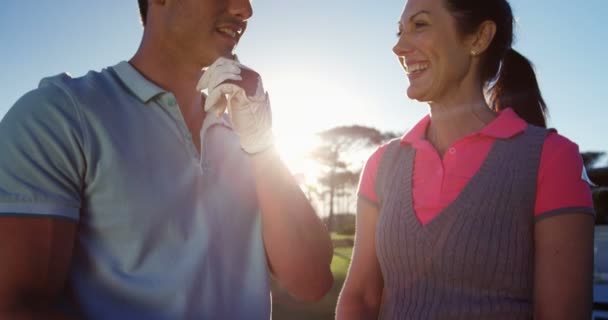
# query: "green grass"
{"points": [[341, 261], [285, 307], [336, 236]]}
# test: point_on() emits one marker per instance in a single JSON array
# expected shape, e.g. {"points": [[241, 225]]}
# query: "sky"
{"points": [[324, 63]]}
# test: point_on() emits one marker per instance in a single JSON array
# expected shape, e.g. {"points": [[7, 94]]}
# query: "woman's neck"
{"points": [[452, 122]]}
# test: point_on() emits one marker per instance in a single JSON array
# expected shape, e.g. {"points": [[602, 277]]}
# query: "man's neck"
{"points": [[176, 76], [168, 72]]}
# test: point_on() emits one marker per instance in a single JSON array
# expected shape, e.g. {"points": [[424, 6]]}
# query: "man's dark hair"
{"points": [[143, 10]]}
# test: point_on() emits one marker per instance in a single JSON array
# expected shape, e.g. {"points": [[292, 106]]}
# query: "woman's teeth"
{"points": [[418, 67]]}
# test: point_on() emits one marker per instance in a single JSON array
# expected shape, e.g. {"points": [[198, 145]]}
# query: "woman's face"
{"points": [[435, 56]]}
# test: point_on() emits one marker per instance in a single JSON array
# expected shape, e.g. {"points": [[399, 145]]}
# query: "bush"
{"points": [[600, 203]]}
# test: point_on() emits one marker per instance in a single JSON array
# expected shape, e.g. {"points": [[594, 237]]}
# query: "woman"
{"points": [[478, 212]]}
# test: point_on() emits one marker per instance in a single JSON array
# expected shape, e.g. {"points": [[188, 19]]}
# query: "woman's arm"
{"points": [[362, 293], [563, 267]]}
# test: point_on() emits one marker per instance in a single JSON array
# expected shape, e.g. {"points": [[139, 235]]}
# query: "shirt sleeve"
{"points": [[42, 161], [367, 182], [562, 186]]}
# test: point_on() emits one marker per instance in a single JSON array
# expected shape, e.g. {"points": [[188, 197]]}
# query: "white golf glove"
{"points": [[238, 89]]}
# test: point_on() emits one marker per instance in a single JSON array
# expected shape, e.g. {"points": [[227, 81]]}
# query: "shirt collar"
{"points": [[418, 132], [141, 87], [145, 90], [505, 126]]}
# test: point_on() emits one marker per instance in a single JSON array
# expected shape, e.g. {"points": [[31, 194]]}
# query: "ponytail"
{"points": [[143, 11], [507, 75], [516, 88]]}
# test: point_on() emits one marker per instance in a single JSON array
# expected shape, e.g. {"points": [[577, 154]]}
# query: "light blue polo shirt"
{"points": [[163, 233]]}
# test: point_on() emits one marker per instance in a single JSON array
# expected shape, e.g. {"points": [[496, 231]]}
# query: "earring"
{"points": [[473, 52]]}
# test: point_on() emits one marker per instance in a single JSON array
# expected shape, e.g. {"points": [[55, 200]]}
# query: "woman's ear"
{"points": [[482, 39]]}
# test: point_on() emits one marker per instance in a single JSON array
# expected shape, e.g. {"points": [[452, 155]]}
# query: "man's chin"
{"points": [[208, 61], [224, 54], [227, 53]]}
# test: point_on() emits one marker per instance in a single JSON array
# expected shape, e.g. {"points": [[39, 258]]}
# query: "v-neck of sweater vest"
{"points": [[465, 194]]}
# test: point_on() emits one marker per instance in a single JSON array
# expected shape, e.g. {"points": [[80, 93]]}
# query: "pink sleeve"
{"points": [[367, 182], [561, 187]]}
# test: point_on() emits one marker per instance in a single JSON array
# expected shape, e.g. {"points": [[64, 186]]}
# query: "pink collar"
{"points": [[506, 125]]}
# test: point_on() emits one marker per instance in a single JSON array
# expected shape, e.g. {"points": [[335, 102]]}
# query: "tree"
{"points": [[600, 204], [590, 158], [338, 145], [344, 181], [599, 176]]}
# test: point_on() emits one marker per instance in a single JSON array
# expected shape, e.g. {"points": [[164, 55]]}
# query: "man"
{"points": [[121, 198]]}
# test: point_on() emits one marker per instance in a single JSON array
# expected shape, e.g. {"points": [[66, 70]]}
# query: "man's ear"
{"points": [[483, 37]]}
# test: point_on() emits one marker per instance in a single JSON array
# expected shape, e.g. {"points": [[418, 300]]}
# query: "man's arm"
{"points": [[41, 178], [35, 255], [297, 243], [563, 267]]}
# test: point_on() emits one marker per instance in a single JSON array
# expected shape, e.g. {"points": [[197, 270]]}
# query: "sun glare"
{"points": [[303, 104], [295, 150]]}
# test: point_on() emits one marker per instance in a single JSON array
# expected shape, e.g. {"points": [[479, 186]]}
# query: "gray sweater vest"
{"points": [[475, 259]]}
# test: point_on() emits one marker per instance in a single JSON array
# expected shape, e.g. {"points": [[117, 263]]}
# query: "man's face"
{"points": [[203, 30]]}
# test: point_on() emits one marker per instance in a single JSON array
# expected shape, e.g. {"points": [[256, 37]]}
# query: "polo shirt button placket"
{"points": [[188, 137], [171, 102], [452, 150]]}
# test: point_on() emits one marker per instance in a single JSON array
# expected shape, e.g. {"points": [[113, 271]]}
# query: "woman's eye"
{"points": [[414, 26], [419, 24]]}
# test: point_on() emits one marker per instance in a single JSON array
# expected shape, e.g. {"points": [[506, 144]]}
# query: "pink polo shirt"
{"points": [[437, 182]]}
